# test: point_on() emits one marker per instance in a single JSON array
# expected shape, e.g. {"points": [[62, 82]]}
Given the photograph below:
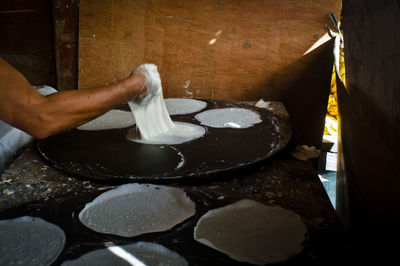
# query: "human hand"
{"points": [[152, 84]]}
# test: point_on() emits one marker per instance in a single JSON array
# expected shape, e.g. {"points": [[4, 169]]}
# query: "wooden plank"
{"points": [[66, 15], [206, 48], [236, 50]]}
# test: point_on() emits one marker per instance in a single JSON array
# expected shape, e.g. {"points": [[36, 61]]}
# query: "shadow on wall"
{"points": [[304, 88]]}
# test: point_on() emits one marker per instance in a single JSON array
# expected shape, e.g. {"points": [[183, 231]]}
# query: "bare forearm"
{"points": [[68, 109], [23, 107]]}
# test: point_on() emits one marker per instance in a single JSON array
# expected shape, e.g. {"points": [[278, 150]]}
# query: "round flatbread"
{"points": [[182, 106], [249, 231], [112, 119], [138, 254], [29, 241], [135, 209], [229, 117], [181, 132]]}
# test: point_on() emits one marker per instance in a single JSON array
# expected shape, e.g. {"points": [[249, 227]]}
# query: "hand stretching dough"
{"points": [[249, 231], [135, 209], [29, 241], [152, 118]]}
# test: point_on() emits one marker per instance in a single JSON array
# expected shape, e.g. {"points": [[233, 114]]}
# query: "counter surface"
{"points": [[30, 187]]}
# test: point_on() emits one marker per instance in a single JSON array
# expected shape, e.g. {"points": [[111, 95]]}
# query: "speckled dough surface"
{"points": [[182, 106], [249, 231], [29, 241], [134, 209], [111, 119], [229, 117], [138, 254]]}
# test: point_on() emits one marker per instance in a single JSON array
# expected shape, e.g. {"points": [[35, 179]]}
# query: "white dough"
{"points": [[110, 120], [181, 132], [134, 209], [29, 241], [182, 106], [140, 253], [249, 231], [152, 118], [229, 117]]}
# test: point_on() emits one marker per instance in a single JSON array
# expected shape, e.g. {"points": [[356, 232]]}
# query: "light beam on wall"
{"points": [[318, 43]]}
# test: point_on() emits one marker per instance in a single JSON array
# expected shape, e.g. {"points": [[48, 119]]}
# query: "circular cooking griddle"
{"points": [[108, 155]]}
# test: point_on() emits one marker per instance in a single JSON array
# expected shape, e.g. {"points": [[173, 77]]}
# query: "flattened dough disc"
{"points": [[29, 241], [229, 117], [180, 133], [182, 106], [112, 119], [134, 209], [141, 252], [249, 231]]}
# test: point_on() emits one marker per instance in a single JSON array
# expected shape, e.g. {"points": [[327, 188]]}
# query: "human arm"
{"points": [[25, 108]]}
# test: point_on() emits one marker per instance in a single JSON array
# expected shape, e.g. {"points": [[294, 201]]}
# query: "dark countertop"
{"points": [[281, 180]]}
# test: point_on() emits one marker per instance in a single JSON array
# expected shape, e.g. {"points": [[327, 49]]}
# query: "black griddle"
{"points": [[108, 155], [281, 181], [80, 240]]}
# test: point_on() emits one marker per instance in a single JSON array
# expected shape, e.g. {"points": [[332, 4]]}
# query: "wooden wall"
{"points": [[27, 39], [369, 186], [66, 15], [206, 48], [232, 50]]}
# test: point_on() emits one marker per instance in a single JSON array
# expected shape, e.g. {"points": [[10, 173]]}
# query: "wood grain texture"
{"points": [[66, 15], [208, 49]]}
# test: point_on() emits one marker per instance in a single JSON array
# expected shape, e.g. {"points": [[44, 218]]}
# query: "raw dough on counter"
{"points": [[134, 209], [182, 106], [112, 119], [249, 231], [29, 241], [138, 254], [229, 117]]}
